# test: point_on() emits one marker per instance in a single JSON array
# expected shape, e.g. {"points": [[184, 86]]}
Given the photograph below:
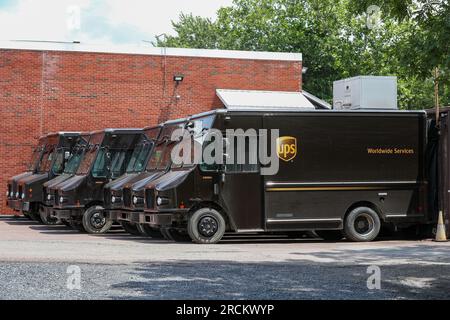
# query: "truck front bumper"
{"points": [[128, 215], [18, 205], [66, 213], [165, 218]]}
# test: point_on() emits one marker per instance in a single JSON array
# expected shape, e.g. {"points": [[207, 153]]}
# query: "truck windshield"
{"points": [[58, 164], [98, 158], [35, 157], [119, 160], [156, 156], [139, 156], [87, 159], [160, 158], [47, 158], [74, 160], [165, 158], [186, 145]]}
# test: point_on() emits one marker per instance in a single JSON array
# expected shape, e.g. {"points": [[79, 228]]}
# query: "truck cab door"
{"points": [[240, 186]]}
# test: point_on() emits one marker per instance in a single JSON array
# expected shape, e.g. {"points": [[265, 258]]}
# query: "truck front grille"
{"points": [[127, 197], [149, 198], [107, 197], [20, 191]]}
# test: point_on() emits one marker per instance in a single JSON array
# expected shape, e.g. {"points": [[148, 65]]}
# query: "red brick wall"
{"points": [[43, 91]]}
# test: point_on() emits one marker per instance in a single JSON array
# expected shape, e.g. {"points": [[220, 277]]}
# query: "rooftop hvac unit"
{"points": [[365, 92]]}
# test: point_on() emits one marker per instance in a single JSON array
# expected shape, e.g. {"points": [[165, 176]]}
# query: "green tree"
{"points": [[333, 36], [192, 32], [427, 45]]}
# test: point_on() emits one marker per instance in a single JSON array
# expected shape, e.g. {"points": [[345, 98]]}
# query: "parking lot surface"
{"points": [[37, 262]]}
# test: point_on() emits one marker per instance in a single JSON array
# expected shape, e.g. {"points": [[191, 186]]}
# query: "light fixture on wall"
{"points": [[178, 78]]}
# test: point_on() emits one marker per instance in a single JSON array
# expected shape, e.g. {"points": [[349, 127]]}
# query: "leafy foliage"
{"points": [[335, 40]]}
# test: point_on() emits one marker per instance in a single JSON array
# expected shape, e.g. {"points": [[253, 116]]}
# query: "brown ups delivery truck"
{"points": [[54, 155], [340, 173], [12, 194], [78, 201]]}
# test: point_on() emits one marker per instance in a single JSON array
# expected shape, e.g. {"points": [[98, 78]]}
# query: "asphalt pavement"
{"points": [[55, 262]]}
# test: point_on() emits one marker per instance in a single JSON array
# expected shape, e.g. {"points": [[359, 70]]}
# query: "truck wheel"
{"points": [[206, 225], [95, 221], [130, 228], [177, 235], [147, 231], [34, 216], [330, 235], [46, 219], [362, 224]]}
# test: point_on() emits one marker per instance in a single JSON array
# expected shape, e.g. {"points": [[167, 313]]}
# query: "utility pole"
{"points": [[436, 93]]}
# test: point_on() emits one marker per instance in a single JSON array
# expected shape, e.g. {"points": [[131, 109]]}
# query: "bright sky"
{"points": [[96, 21]]}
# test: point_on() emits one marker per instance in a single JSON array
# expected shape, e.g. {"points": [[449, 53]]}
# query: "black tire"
{"points": [[47, 219], [147, 231], [95, 220], [206, 225], [330, 235], [130, 228], [178, 235], [34, 216], [362, 224]]}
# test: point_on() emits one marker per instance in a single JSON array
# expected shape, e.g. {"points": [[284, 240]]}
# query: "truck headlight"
{"points": [[160, 201], [114, 199], [23, 195], [135, 200], [61, 199], [11, 194], [49, 197], [17, 194]]}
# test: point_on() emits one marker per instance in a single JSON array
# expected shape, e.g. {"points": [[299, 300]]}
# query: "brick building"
{"points": [[48, 87]]}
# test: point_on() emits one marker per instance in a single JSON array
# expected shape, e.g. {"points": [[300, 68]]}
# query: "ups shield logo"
{"points": [[286, 148]]}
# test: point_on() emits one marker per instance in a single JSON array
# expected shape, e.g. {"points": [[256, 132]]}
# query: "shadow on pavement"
{"points": [[281, 280], [117, 233]]}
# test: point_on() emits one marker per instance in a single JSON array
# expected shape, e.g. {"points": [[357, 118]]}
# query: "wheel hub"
{"points": [[98, 220], [207, 226], [364, 224]]}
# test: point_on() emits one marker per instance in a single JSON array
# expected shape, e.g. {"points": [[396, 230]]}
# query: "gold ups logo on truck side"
{"points": [[286, 148]]}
